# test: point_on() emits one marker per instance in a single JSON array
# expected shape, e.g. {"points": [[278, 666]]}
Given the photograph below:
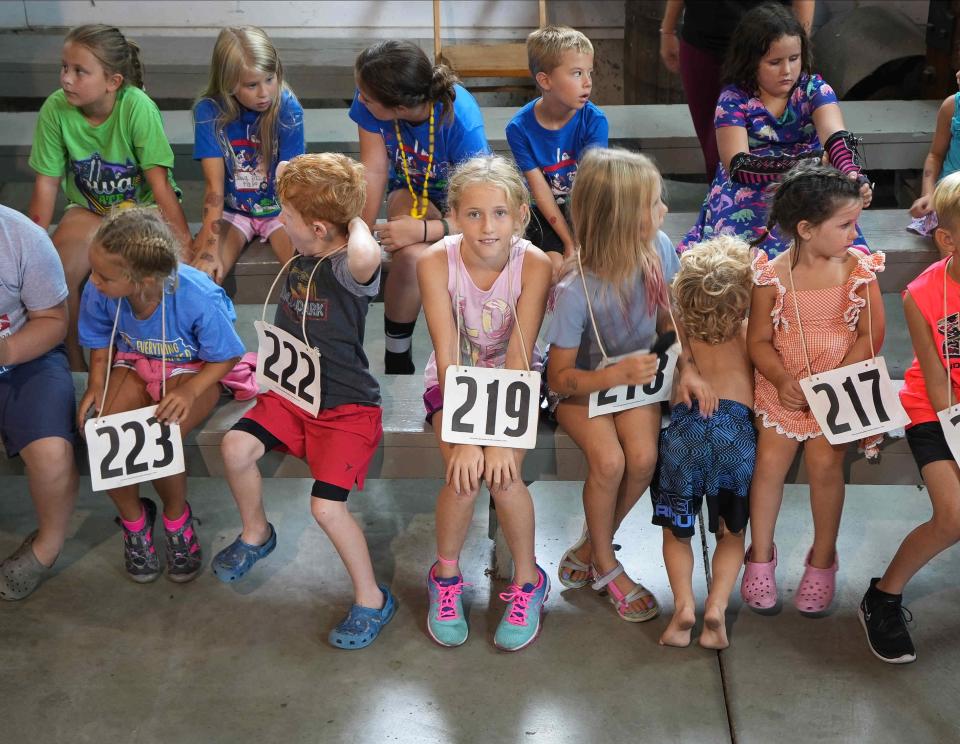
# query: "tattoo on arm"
{"points": [[213, 200], [206, 256], [553, 220], [215, 227]]}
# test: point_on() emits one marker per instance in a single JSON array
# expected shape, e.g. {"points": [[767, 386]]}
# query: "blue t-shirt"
{"points": [[624, 327], [249, 184], [555, 152], [200, 321], [454, 141]]}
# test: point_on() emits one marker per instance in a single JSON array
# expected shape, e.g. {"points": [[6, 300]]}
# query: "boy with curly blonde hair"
{"points": [[709, 449], [332, 279]]}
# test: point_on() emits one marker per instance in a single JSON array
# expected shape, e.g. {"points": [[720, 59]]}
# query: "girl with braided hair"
{"points": [[805, 319], [159, 322], [772, 115]]}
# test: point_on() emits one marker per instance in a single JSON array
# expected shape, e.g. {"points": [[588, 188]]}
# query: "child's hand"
{"points": [[499, 467], [399, 232], [866, 194], [922, 206], [176, 405], [692, 387], [465, 468], [208, 261], [791, 395], [91, 402], [637, 370]]}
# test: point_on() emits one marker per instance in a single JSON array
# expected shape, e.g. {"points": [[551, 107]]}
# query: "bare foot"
{"points": [[714, 633], [678, 631]]}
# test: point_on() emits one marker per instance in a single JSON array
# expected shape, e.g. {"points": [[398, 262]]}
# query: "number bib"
{"points": [[288, 367], [950, 421], [855, 401], [249, 180], [491, 407], [132, 447], [632, 396]]}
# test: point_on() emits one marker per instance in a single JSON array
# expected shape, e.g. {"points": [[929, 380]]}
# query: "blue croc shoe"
{"points": [[521, 620], [362, 625], [235, 560]]}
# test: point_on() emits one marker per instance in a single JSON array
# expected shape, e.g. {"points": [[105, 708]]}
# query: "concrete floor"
{"points": [[94, 657]]}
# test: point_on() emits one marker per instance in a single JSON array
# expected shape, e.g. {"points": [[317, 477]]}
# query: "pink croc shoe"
{"points": [[817, 587], [758, 588]]}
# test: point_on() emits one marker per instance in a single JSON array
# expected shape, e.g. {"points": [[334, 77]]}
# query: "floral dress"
{"points": [[732, 208], [829, 317]]}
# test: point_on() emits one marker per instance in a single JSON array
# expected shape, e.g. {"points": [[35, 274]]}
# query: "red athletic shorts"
{"points": [[338, 444]]}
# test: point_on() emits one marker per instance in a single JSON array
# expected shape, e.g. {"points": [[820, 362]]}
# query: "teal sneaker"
{"points": [[446, 622], [521, 621]]}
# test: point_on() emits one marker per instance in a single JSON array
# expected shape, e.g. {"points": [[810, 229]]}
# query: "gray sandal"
{"points": [[21, 573]]}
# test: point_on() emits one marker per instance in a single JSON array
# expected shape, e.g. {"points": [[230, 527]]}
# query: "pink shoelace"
{"points": [[448, 600], [520, 600]]}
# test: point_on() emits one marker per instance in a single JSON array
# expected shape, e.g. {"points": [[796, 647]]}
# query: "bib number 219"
{"points": [[132, 447], [491, 407]]}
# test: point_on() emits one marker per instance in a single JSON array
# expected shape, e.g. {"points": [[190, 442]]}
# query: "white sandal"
{"points": [[622, 601], [570, 563]]}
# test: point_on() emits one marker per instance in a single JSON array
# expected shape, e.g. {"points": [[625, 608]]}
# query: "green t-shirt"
{"points": [[102, 166]]}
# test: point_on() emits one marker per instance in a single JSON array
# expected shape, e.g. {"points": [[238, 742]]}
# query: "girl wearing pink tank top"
{"points": [[484, 294]]}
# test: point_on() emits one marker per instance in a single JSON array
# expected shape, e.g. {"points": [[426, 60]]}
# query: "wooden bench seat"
{"points": [[896, 135]]}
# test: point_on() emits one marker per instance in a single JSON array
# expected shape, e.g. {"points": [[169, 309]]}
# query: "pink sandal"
{"points": [[758, 588], [622, 601], [817, 587]]}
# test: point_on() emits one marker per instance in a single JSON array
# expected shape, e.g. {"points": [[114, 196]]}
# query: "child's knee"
{"points": [[517, 489], [947, 524], [642, 464], [240, 450], [607, 467], [328, 502]]}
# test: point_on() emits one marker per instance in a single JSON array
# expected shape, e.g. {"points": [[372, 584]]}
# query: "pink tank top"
{"points": [[927, 293], [486, 316]]}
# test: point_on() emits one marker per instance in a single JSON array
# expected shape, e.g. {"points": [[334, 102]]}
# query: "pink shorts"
{"points": [[262, 227]]}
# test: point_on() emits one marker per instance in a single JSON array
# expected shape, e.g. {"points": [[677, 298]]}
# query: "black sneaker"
{"points": [[139, 554], [884, 620], [184, 557]]}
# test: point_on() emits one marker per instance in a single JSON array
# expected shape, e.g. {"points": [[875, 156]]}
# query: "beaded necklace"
{"points": [[419, 209]]}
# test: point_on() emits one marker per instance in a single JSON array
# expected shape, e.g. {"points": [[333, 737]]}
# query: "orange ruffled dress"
{"points": [[829, 318]]}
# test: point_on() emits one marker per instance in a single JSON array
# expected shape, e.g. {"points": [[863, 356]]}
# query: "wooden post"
{"points": [[645, 79], [943, 48]]}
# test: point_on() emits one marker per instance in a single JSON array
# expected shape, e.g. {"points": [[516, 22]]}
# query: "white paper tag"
{"points": [[132, 447], [950, 421], [288, 367], [491, 407], [855, 401], [632, 396], [249, 180]]}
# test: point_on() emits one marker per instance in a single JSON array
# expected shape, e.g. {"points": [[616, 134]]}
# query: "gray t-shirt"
{"points": [[336, 319], [31, 275], [624, 327]]}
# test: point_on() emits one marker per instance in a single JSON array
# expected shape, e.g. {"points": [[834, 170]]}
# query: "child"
{"points": [[493, 283], [772, 114], [33, 368], [415, 123], [102, 137], [246, 121], [931, 303], [942, 160], [149, 314], [548, 135], [321, 197], [809, 300], [708, 450], [626, 264]]}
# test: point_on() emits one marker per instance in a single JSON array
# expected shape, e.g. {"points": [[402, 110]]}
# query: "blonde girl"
{"points": [[246, 121], [415, 122], [806, 317], [168, 332], [102, 138], [484, 295], [626, 264]]}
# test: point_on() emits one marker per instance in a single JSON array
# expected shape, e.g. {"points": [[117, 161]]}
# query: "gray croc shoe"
{"points": [[21, 573]]}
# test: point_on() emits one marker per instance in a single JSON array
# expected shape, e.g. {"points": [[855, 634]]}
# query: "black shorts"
{"points": [[928, 444], [541, 234]]}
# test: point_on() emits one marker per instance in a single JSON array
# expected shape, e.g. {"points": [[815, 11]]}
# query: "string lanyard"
{"points": [[513, 306], [593, 320], [306, 298], [419, 209], [163, 348], [946, 340], [803, 341]]}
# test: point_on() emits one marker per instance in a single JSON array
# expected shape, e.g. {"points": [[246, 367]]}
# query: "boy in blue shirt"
{"points": [[550, 134]]}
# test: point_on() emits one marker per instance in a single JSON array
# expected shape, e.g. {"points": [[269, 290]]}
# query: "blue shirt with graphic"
{"points": [[556, 152], [454, 141], [199, 321], [249, 186]]}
